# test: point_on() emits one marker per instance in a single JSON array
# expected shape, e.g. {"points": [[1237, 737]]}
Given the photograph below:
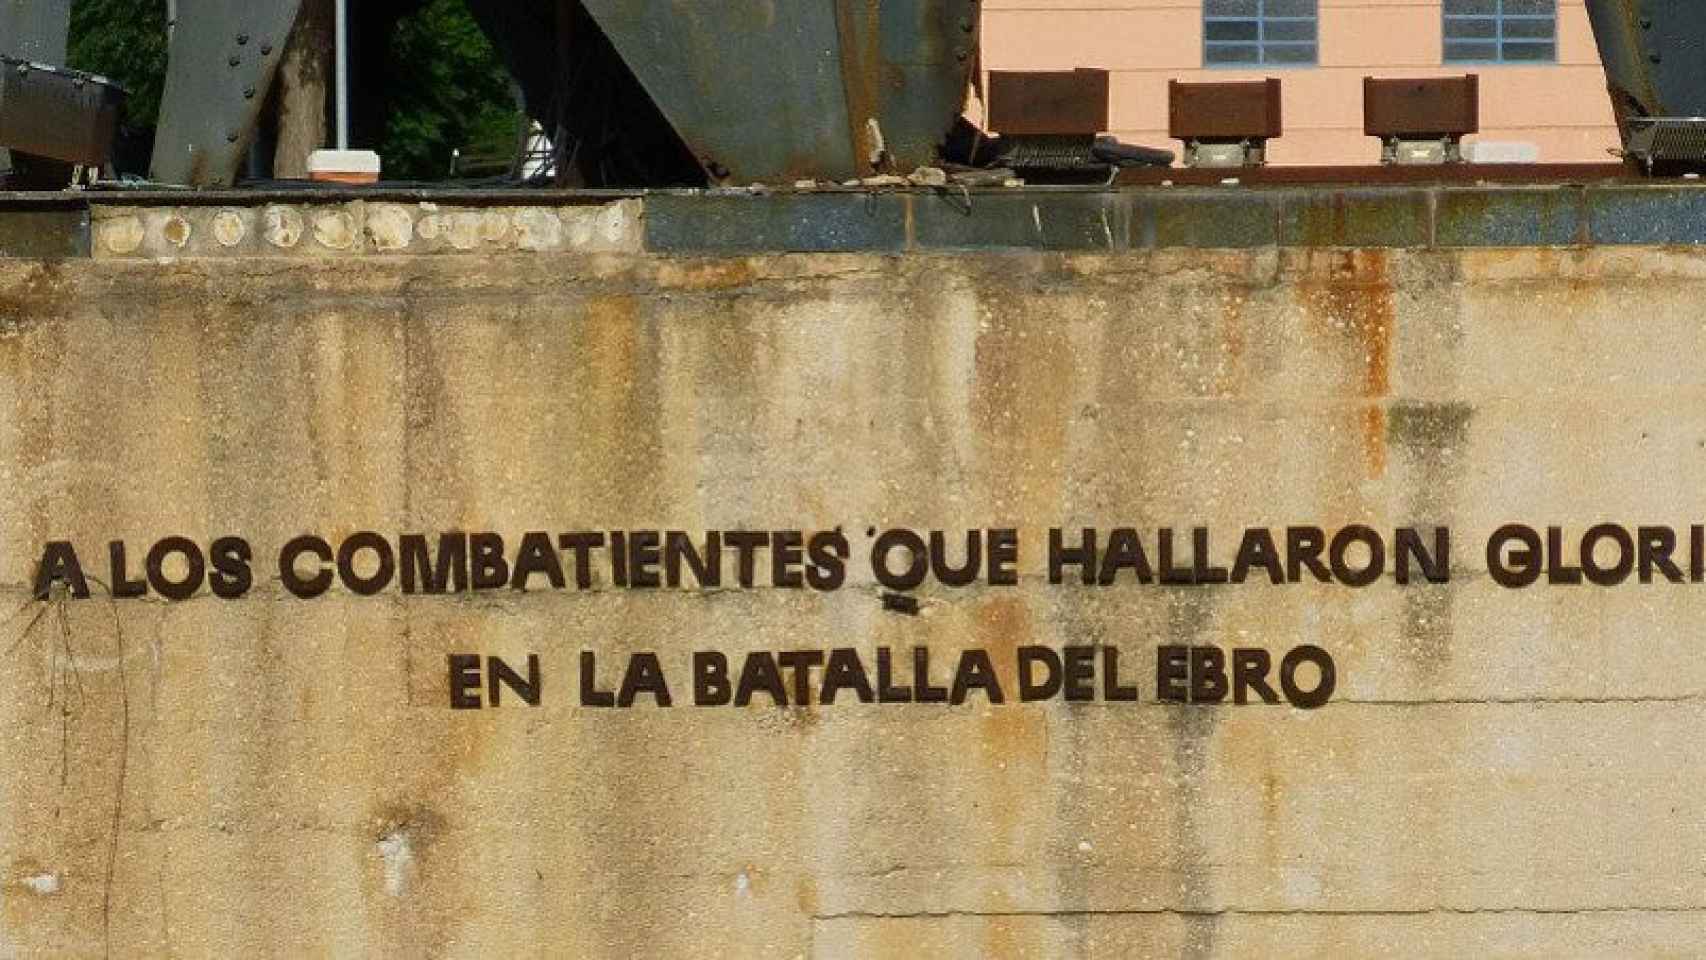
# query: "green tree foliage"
{"points": [[448, 91], [124, 41]]}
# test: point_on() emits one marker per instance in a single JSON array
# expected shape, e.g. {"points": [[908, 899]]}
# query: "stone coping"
{"points": [[348, 222]]}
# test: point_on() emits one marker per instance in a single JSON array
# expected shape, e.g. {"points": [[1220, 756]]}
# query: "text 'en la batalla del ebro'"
{"points": [[897, 559]]}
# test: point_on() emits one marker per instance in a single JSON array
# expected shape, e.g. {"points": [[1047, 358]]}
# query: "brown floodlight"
{"points": [[1224, 124], [1048, 119], [1421, 121], [1048, 102]]}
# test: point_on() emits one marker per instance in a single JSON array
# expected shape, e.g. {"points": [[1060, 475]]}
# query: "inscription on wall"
{"points": [[899, 561]]}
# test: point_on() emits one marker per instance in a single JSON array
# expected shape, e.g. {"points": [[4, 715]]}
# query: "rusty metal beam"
{"points": [[1623, 31], [1652, 54], [768, 91], [224, 54], [1381, 174]]}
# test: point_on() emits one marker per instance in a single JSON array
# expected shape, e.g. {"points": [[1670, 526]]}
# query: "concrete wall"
{"points": [[1500, 772], [1560, 109]]}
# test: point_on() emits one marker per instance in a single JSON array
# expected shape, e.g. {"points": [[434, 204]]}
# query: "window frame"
{"points": [[1261, 44], [1499, 18]]}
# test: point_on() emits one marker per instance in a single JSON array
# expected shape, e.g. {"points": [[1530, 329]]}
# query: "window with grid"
{"points": [[1242, 32], [1501, 31]]}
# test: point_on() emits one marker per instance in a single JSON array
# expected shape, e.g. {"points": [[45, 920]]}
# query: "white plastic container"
{"points": [[344, 166]]}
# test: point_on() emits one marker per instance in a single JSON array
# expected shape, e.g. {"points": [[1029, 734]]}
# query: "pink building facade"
{"points": [[1542, 90]]}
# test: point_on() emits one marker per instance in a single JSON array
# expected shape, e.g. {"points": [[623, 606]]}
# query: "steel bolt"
{"points": [[242, 38], [248, 93], [233, 61], [266, 48]]}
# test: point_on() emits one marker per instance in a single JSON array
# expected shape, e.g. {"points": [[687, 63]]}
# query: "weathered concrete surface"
{"points": [[1501, 773]]}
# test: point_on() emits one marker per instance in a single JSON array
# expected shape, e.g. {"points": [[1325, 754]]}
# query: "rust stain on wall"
{"points": [[1012, 738], [621, 434], [695, 275], [1350, 295], [1374, 439]]}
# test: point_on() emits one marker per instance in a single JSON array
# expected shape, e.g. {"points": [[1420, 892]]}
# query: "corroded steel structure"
{"points": [[1654, 53], [648, 93], [776, 91], [223, 57], [639, 92]]}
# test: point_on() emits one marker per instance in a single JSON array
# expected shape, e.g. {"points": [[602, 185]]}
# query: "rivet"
{"points": [[266, 48], [961, 54], [231, 137], [242, 38], [233, 61], [248, 93]]}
